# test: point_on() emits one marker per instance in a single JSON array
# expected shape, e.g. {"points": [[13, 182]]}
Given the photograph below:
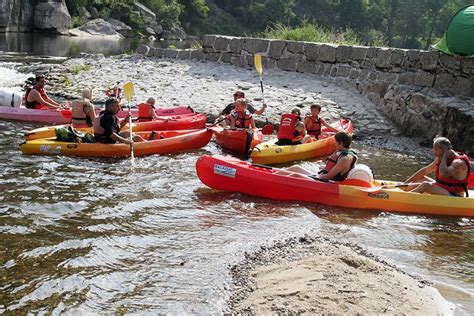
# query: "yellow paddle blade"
{"points": [[258, 64], [128, 91]]}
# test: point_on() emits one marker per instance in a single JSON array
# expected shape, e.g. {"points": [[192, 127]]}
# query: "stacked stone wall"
{"points": [[426, 93]]}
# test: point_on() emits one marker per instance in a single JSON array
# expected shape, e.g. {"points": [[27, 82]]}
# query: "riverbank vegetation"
{"points": [[395, 23]]}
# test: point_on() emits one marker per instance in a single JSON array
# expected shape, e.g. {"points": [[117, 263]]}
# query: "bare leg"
{"points": [[431, 188]]}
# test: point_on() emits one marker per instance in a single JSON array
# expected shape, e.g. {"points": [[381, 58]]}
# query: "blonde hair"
{"points": [[87, 93], [243, 101]]}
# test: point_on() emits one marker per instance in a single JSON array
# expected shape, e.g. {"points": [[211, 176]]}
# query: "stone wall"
{"points": [[425, 93]]}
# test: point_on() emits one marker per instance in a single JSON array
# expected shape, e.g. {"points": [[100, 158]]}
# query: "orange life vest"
{"points": [[35, 105], [332, 161], [315, 128], [79, 117], [451, 184], [287, 128], [144, 111], [241, 120]]}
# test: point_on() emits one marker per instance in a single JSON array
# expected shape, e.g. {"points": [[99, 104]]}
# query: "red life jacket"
{"points": [[144, 111], [315, 128], [332, 161], [287, 128], [34, 104], [241, 120], [451, 184]]}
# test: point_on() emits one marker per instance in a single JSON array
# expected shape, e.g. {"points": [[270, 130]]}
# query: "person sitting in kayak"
{"points": [[314, 123], [337, 166], [451, 169], [240, 117], [292, 131], [83, 111], [36, 97], [231, 106], [107, 126], [146, 110]]}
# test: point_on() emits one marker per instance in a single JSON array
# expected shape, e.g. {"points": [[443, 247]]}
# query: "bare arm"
{"points": [[252, 123], [329, 127], [261, 110], [342, 163], [48, 103], [120, 139], [449, 171], [420, 174], [232, 122]]}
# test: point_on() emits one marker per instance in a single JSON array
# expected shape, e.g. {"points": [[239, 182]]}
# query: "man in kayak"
{"points": [[239, 95], [452, 170], [107, 126], [240, 117], [314, 123], [292, 131], [36, 97], [83, 111], [337, 166]]}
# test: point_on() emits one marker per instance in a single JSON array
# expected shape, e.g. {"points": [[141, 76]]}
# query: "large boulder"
{"points": [[121, 28], [97, 27], [52, 17], [147, 15], [16, 15]]}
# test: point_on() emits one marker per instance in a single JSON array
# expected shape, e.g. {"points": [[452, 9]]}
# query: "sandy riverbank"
{"points": [[316, 275]]}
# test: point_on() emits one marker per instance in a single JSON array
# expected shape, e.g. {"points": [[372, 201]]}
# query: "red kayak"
{"points": [[239, 141]]}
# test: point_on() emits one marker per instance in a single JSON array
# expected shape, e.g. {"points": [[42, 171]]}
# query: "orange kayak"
{"points": [[239, 141], [165, 143]]}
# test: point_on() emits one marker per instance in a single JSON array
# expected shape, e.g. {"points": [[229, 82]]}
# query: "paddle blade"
{"points": [[128, 91], [258, 64], [267, 129]]}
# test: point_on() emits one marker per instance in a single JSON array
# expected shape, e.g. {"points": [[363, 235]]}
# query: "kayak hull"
{"points": [[186, 121], [269, 153], [64, 116], [238, 141], [230, 174], [173, 142]]}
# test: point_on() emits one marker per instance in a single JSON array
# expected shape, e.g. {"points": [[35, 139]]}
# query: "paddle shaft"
{"points": [[132, 156]]}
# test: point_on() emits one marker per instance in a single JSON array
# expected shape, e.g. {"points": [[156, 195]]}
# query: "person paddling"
{"points": [[337, 166], [451, 169], [314, 123], [146, 110], [240, 117], [83, 111], [291, 131], [231, 106], [107, 126], [36, 97]]}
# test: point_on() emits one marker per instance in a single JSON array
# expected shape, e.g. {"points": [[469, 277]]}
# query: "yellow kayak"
{"points": [[268, 153]]}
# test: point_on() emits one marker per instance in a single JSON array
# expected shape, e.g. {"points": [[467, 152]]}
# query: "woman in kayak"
{"points": [[337, 166], [451, 169], [240, 117], [314, 123], [146, 110], [292, 131], [83, 111]]}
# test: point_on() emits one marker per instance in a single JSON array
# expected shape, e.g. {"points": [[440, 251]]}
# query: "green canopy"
{"points": [[459, 38]]}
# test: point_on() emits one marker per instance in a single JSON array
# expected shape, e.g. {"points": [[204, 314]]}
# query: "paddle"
{"points": [[128, 93], [268, 128]]}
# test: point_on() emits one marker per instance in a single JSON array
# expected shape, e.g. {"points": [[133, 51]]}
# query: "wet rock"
{"points": [[97, 27], [122, 28]]}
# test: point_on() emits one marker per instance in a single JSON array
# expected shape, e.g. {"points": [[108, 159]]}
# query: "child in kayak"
{"points": [[240, 117], [314, 123], [292, 131], [231, 106], [146, 110]]}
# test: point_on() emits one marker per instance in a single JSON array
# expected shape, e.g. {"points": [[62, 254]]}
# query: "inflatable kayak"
{"points": [[64, 116], [165, 143], [268, 153], [230, 174], [239, 141], [186, 121]]}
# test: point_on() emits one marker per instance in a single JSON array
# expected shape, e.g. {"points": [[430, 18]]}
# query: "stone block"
{"points": [[151, 52], [271, 63], [424, 79], [286, 64], [371, 52], [306, 67], [333, 71], [467, 66], [358, 53], [236, 45], [208, 40], [226, 57], [327, 53], [343, 53], [443, 81], [411, 59], [295, 47], [212, 56], [256, 45], [383, 58], [450, 63], [311, 51], [406, 78], [373, 75], [418, 103], [343, 71], [184, 54], [396, 58], [320, 68], [276, 48], [197, 54], [429, 60], [354, 73], [364, 75], [387, 76], [462, 87], [170, 53], [327, 69], [221, 44], [158, 52], [143, 49]]}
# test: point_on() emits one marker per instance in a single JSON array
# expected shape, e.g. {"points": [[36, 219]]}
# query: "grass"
{"points": [[66, 81], [75, 69]]}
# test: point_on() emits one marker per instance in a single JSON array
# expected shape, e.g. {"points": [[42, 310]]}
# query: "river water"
{"points": [[96, 235]]}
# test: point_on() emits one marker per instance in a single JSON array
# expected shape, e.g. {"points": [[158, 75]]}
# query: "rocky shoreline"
{"points": [[319, 275]]}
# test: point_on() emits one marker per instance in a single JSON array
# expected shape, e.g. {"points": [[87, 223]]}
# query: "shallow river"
{"points": [[96, 235]]}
